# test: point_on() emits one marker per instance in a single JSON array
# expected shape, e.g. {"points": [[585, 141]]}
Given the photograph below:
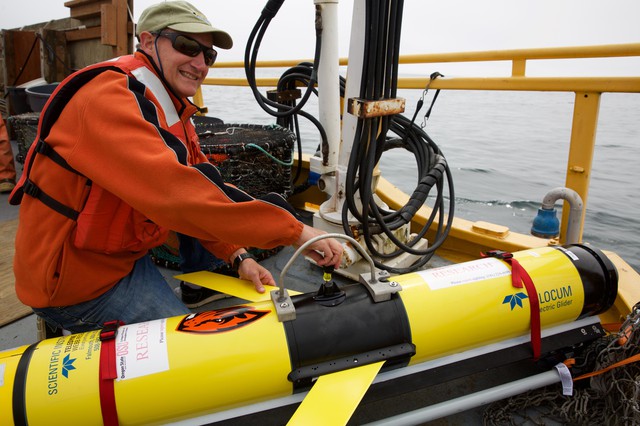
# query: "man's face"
{"points": [[183, 73]]}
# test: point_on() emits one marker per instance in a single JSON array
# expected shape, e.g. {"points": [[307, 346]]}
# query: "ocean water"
{"points": [[506, 150]]}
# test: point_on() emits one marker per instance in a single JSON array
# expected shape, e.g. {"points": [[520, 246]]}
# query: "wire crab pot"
{"points": [[255, 158]]}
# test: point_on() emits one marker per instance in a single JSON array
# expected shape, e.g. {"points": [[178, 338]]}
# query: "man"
{"points": [[116, 165]]}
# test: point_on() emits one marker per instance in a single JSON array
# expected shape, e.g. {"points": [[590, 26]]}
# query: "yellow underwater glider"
{"points": [[206, 366]]}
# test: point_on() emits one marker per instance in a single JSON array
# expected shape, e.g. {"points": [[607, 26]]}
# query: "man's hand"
{"points": [[324, 252], [251, 270]]}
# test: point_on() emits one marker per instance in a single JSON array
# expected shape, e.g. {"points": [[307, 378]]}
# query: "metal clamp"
{"points": [[379, 285], [283, 304]]}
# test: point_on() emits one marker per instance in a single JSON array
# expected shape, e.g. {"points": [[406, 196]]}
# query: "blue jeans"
{"points": [[143, 295]]}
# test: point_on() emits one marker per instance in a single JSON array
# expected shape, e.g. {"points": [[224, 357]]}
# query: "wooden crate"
{"points": [[96, 30]]}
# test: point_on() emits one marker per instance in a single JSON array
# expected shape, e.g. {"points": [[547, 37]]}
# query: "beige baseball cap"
{"points": [[180, 16]]}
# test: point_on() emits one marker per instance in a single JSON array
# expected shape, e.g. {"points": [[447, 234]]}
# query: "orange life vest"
{"points": [[104, 224], [106, 181]]}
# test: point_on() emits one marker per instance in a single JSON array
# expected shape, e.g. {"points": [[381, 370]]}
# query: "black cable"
{"points": [[379, 81], [285, 113], [250, 59], [301, 73], [373, 137]]}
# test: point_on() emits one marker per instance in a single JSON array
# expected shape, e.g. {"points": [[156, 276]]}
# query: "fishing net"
{"points": [[608, 398], [257, 159]]}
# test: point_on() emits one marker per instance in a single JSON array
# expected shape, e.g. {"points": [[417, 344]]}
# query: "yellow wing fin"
{"points": [[229, 285], [341, 390]]}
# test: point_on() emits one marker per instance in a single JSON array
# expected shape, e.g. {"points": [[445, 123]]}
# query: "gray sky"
{"points": [[428, 27]]}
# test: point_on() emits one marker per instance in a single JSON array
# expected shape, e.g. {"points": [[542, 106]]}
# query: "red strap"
{"points": [[519, 275], [108, 373]]}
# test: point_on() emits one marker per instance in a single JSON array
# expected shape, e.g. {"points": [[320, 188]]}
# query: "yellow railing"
{"points": [[588, 91], [517, 57]]}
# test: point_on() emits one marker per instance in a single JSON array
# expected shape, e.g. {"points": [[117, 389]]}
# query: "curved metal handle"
{"points": [[281, 298], [283, 290]]}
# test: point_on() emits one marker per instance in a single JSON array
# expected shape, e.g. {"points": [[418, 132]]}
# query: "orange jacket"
{"points": [[139, 172]]}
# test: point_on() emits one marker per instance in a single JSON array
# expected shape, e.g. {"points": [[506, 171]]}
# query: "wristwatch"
{"points": [[241, 257]]}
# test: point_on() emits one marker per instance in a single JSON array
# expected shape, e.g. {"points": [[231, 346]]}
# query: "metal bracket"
{"points": [[390, 353], [283, 304], [284, 95], [379, 285], [363, 108]]}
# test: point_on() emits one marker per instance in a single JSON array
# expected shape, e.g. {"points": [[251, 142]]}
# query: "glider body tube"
{"points": [[462, 306], [189, 366]]}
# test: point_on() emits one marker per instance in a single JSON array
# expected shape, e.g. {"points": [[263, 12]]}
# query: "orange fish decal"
{"points": [[220, 320]]}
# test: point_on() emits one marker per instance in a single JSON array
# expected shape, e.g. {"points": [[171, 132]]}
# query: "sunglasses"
{"points": [[190, 47]]}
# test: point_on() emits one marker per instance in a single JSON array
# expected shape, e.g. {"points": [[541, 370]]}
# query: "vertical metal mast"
{"points": [[334, 182]]}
